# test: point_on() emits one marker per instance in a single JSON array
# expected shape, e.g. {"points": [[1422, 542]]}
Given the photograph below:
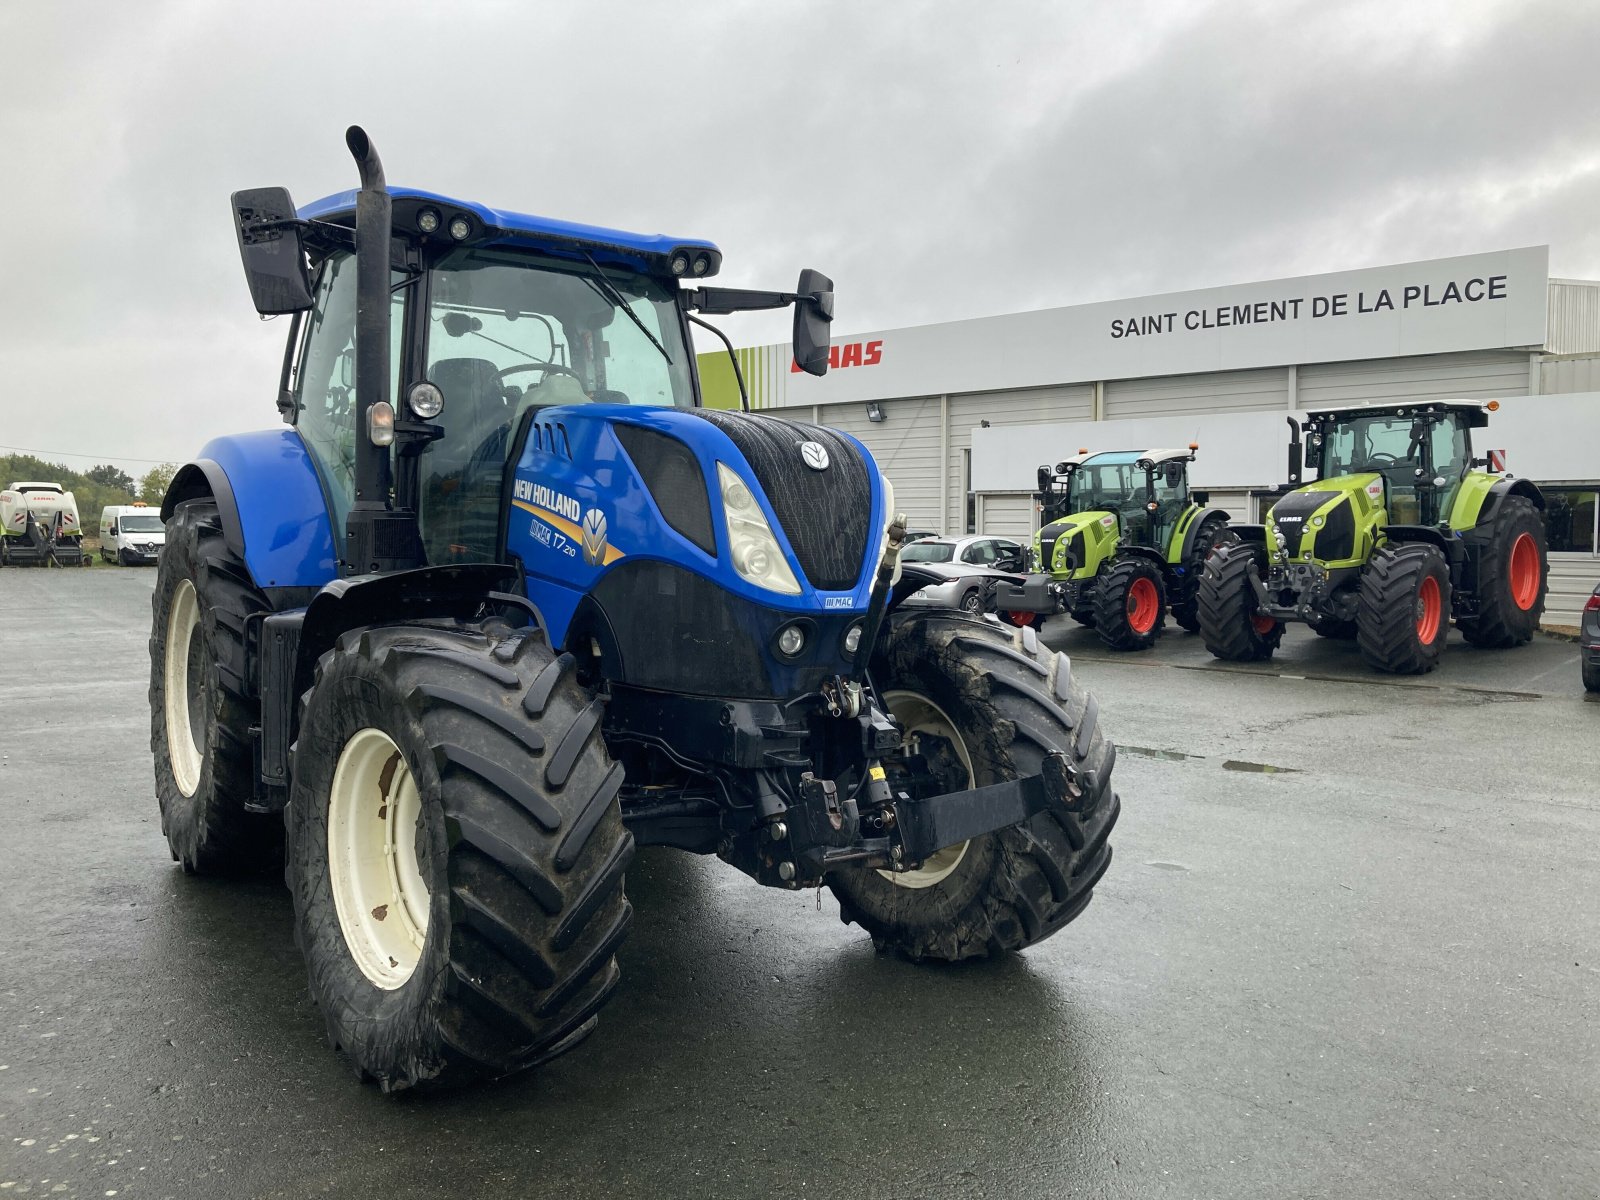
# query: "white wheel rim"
{"points": [[378, 889], [917, 714], [183, 687]]}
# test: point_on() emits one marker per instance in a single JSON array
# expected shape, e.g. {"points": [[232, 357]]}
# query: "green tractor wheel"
{"points": [[1229, 623], [1513, 576], [1405, 595], [1130, 604]]}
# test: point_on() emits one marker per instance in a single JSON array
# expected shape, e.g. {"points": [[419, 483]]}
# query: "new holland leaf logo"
{"points": [[594, 537]]}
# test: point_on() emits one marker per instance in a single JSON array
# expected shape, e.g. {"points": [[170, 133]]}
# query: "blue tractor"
{"points": [[503, 603]]}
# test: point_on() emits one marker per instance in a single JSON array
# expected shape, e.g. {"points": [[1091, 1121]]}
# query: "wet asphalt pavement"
{"points": [[1376, 973]]}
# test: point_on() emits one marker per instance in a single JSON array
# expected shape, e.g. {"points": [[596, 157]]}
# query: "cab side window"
{"points": [[324, 382]]}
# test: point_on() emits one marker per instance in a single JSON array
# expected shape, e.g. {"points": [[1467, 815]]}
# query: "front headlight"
{"points": [[755, 552]]}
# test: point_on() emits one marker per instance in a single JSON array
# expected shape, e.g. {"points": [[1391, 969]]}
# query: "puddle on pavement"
{"points": [[1151, 752], [1234, 764]]}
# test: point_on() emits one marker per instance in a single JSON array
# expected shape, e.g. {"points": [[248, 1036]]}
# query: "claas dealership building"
{"points": [[960, 415]]}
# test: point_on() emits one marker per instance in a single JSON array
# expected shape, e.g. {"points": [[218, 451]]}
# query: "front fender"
{"points": [[271, 503]]}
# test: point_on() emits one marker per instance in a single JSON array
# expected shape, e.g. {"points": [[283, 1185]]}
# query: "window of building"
{"points": [[1570, 517]]}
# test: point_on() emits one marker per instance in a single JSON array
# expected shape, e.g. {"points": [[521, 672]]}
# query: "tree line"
{"points": [[95, 488]]}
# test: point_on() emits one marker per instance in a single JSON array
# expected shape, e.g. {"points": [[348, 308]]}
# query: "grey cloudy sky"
{"points": [[939, 160]]}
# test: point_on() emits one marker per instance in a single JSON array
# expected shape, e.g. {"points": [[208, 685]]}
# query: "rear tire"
{"points": [[1130, 604], [200, 734], [1401, 619], [516, 856], [1228, 621], [1591, 675], [1010, 700], [1513, 577]]}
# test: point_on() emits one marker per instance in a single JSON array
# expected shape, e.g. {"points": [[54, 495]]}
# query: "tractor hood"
{"points": [[1059, 546], [684, 540], [1320, 522]]}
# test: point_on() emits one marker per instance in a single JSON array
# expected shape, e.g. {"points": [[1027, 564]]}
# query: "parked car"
{"points": [[1589, 642], [970, 565]]}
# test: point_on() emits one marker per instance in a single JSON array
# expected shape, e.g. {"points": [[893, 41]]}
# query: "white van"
{"points": [[131, 533]]}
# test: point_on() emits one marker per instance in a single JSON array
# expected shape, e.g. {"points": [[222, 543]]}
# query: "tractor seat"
{"points": [[475, 407], [554, 388]]}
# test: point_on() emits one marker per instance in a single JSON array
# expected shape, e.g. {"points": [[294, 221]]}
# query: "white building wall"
{"points": [[1466, 376], [906, 447], [1572, 579], [1221, 391], [1574, 321], [1030, 406], [1578, 373]]}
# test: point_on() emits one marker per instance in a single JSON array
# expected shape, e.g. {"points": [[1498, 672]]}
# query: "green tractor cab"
{"points": [[1401, 531], [1121, 539]]}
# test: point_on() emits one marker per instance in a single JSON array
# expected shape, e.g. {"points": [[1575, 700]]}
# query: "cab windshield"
{"points": [[1110, 486], [143, 523], [549, 331], [1385, 442]]}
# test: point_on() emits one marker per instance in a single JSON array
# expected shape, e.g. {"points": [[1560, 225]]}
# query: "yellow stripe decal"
{"points": [[556, 521]]}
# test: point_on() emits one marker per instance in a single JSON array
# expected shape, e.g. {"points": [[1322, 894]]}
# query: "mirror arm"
{"points": [[723, 301], [321, 234]]}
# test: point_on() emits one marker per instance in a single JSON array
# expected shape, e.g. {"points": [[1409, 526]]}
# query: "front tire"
{"points": [[1232, 629], [470, 759], [200, 714], [1401, 618], [1513, 577], [1130, 604], [1186, 596], [1000, 700]]}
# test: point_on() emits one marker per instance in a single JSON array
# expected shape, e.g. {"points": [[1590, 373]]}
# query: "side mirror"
{"points": [[1174, 473], [113, 529], [270, 245], [1046, 478], [813, 314]]}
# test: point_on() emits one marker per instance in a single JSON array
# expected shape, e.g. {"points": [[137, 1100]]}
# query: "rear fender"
{"points": [[1477, 502], [1192, 532], [270, 499]]}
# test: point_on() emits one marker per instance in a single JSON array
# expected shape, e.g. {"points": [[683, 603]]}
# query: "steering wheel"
{"points": [[557, 368], [1380, 459]]}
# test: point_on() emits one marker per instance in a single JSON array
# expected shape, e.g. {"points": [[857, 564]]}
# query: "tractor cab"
{"points": [[1419, 453], [1145, 493]]}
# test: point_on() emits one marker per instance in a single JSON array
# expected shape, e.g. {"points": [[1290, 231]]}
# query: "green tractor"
{"points": [[1122, 538], [1401, 531]]}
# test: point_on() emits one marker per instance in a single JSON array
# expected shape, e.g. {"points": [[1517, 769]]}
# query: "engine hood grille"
{"points": [[826, 514]]}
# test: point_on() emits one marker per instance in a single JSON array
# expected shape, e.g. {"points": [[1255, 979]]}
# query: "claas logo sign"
{"points": [[851, 354]]}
